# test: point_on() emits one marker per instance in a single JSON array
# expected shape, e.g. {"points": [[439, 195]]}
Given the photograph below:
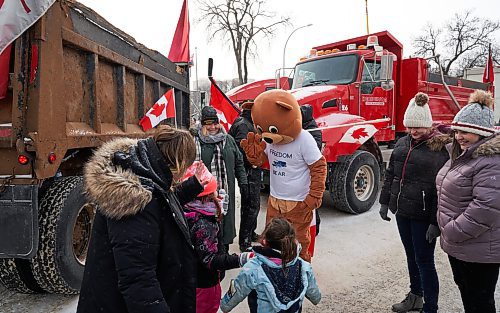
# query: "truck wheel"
{"points": [[354, 183], [15, 274], [65, 221]]}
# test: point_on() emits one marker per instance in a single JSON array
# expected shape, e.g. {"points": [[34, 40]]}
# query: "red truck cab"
{"points": [[359, 90]]}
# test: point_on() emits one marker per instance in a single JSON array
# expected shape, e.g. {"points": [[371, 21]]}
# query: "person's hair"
{"points": [[213, 198], [177, 146], [456, 150], [280, 235]]}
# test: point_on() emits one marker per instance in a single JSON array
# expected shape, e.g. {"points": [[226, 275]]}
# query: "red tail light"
{"points": [[52, 157], [22, 159]]}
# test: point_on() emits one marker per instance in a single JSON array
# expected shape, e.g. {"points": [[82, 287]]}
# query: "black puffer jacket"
{"points": [[140, 257], [410, 179], [308, 122]]}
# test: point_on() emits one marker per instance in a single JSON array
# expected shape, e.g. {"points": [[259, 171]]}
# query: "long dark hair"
{"points": [[280, 235]]}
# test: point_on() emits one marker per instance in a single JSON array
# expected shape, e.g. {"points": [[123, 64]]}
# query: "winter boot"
{"points": [[412, 302]]}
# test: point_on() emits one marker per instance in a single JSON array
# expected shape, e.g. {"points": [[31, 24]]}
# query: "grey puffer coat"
{"points": [[469, 203]]}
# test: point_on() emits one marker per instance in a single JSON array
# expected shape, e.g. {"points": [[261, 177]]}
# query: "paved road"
{"points": [[359, 264]]}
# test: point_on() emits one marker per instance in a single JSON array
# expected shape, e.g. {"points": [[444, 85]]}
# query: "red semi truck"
{"points": [[350, 83]]}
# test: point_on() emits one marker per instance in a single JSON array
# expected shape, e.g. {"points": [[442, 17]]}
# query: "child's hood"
{"points": [[272, 290], [204, 208]]}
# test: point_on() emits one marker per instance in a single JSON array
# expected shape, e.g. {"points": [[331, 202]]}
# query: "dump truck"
{"points": [[76, 81], [359, 89]]}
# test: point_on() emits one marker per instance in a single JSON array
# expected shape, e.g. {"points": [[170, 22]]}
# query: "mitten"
{"points": [[432, 233], [384, 209], [254, 148], [244, 257], [223, 200]]}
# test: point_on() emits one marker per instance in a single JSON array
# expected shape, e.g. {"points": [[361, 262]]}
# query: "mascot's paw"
{"points": [[254, 148]]}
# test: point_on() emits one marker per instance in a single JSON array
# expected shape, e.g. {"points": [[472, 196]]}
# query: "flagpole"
{"points": [[380, 120], [366, 8]]}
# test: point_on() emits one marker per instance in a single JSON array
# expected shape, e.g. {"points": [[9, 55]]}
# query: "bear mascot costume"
{"points": [[297, 167]]}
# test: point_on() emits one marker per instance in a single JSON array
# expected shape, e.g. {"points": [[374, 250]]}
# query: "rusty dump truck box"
{"points": [[76, 82]]}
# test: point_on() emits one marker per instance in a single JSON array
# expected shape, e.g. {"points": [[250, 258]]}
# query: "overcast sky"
{"points": [[153, 22]]}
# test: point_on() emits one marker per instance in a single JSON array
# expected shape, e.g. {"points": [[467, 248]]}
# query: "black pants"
{"points": [[477, 282], [250, 206]]}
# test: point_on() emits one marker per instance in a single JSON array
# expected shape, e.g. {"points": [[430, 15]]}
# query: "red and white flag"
{"points": [[226, 110], [163, 108], [488, 75], [16, 16]]}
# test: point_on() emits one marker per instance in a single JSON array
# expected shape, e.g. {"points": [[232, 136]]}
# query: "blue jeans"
{"points": [[420, 258]]}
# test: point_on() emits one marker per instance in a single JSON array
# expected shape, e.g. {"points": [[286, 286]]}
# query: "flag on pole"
{"points": [[163, 108], [226, 110], [488, 75], [4, 71], [16, 16], [179, 50]]}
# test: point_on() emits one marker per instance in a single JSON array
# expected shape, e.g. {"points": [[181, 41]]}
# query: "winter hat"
{"points": [[418, 113], [209, 116], [209, 188], [476, 117]]}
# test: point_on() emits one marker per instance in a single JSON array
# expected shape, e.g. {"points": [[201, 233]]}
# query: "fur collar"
{"points": [[117, 192], [490, 147], [437, 142]]}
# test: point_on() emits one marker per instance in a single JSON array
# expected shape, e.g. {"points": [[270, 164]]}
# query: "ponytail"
{"points": [[280, 235]]}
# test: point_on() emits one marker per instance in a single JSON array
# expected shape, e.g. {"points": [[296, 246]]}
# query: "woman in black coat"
{"points": [[409, 191], [140, 257]]}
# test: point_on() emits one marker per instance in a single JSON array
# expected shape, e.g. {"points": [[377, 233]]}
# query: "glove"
{"points": [[244, 257], [384, 209], [432, 233], [244, 193], [223, 200], [254, 148]]}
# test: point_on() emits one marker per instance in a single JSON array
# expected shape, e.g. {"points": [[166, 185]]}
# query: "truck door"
{"points": [[375, 102]]}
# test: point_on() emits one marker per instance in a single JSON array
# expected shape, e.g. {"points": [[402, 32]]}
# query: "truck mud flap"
{"points": [[19, 221]]}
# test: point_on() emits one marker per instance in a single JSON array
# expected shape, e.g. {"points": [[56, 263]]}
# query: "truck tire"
{"points": [[354, 182], [65, 221], [16, 275]]}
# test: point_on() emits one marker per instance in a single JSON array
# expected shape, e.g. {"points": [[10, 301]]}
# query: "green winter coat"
{"points": [[233, 161]]}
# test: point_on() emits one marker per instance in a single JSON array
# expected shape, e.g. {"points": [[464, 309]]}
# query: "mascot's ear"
{"points": [[284, 105], [247, 105]]}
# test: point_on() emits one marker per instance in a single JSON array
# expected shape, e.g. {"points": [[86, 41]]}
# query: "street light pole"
{"points": [[284, 49]]}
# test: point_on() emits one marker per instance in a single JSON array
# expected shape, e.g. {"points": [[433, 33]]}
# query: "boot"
{"points": [[412, 302]]}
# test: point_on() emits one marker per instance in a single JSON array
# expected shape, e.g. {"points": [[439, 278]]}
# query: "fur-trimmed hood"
{"points": [[122, 174], [489, 148], [437, 142]]}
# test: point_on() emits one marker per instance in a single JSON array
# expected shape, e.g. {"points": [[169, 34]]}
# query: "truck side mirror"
{"points": [[386, 62]]}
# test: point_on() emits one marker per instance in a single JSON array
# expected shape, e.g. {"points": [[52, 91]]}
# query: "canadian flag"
{"points": [[358, 134], [226, 110], [16, 16], [163, 108]]}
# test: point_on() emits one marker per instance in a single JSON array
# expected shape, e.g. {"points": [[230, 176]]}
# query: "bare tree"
{"points": [[462, 42], [241, 21]]}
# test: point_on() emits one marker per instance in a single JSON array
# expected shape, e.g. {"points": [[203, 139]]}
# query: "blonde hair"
{"points": [[177, 146]]}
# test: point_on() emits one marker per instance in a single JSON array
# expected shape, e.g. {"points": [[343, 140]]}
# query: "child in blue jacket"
{"points": [[280, 279]]}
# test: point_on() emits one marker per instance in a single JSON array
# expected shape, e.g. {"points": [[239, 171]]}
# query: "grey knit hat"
{"points": [[476, 117], [418, 113]]}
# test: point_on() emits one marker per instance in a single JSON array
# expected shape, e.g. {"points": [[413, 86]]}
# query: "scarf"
{"points": [[217, 166]]}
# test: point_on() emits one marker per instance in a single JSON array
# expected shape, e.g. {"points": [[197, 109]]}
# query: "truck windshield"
{"points": [[339, 70]]}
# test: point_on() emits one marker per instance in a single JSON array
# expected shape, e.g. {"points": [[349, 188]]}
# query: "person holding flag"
{"points": [[221, 155]]}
